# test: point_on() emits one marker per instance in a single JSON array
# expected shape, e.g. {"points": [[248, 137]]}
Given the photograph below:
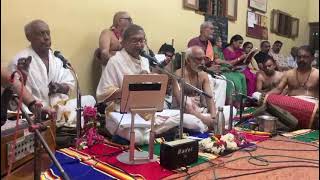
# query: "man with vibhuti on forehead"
{"points": [[200, 110], [204, 41]]}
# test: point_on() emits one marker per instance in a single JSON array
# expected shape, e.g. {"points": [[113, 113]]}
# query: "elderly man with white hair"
{"points": [[110, 38], [204, 41], [44, 74], [201, 111]]}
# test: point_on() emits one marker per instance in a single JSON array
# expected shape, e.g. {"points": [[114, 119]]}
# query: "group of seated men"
{"points": [[119, 53]]}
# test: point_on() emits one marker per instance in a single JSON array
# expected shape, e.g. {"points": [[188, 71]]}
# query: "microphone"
{"points": [[211, 72], [64, 60], [249, 98], [152, 60]]}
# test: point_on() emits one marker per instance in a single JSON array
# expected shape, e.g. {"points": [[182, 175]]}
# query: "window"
{"points": [[220, 8], [283, 24]]}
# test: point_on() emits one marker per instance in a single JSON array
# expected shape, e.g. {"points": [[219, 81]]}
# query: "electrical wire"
{"points": [[268, 170], [296, 142], [261, 159]]}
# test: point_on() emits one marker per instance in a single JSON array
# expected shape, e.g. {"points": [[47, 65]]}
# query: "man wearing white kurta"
{"points": [[45, 76], [126, 62], [129, 62]]}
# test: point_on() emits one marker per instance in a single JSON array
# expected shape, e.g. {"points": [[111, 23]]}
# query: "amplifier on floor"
{"points": [[178, 153]]}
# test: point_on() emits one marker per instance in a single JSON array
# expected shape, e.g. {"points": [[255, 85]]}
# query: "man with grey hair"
{"points": [[200, 107], [203, 40], [110, 39], [206, 34], [127, 61], [44, 74], [195, 57]]}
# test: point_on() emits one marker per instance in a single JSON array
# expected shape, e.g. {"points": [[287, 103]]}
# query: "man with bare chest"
{"points": [[303, 80], [110, 39], [195, 57], [302, 86], [268, 78]]}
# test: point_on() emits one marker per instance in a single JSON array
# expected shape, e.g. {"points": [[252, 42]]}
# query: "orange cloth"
{"points": [[209, 51]]}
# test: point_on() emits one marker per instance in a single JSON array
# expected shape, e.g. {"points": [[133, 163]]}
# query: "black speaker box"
{"points": [[178, 153]]}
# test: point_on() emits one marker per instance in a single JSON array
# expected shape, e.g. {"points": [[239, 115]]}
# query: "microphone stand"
{"points": [[182, 97], [241, 108], [79, 108], [37, 137], [182, 84]]}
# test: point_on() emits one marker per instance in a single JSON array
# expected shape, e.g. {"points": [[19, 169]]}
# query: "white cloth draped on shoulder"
{"points": [[111, 80], [112, 76], [38, 81]]}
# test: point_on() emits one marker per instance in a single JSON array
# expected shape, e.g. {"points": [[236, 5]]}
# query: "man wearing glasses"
{"points": [[110, 39], [127, 61]]}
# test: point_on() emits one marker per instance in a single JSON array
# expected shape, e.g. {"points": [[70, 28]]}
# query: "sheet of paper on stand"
{"points": [[126, 120], [160, 57]]}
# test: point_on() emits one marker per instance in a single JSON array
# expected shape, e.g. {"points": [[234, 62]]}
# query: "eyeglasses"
{"points": [[43, 33], [127, 18], [136, 41]]}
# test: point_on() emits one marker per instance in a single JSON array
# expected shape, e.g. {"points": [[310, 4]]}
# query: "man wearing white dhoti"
{"points": [[204, 112], [126, 62], [45, 76]]}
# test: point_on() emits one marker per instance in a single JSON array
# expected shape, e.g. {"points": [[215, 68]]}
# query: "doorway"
{"points": [[314, 35]]}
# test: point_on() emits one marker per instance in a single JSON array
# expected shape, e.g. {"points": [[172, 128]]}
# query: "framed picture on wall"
{"points": [[295, 27], [191, 4], [274, 21], [260, 5], [231, 9]]}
